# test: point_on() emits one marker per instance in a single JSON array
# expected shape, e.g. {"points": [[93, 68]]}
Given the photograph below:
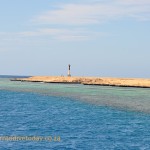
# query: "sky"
{"points": [[105, 38]]}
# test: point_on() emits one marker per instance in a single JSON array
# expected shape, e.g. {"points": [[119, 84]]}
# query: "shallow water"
{"points": [[136, 99], [85, 117]]}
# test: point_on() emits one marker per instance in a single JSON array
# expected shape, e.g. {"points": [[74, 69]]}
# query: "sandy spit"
{"points": [[103, 81]]}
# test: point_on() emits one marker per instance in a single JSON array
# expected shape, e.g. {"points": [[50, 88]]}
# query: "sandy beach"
{"points": [[103, 81]]}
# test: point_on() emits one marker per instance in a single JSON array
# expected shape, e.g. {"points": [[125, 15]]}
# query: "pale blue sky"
{"points": [[97, 37]]}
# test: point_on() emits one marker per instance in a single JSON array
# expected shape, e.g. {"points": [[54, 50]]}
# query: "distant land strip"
{"points": [[101, 81]]}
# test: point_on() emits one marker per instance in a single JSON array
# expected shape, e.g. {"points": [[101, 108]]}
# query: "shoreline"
{"points": [[97, 81]]}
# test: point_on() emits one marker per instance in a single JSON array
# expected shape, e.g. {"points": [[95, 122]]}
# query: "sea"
{"points": [[48, 116]]}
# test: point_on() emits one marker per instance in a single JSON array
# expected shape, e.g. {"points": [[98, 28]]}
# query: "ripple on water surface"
{"points": [[35, 109]]}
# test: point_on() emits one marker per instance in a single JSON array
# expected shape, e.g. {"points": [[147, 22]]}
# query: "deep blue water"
{"points": [[13, 76], [81, 125]]}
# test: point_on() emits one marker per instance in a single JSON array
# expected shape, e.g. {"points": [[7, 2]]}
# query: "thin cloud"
{"points": [[95, 13], [77, 16], [76, 34], [65, 34], [134, 2]]}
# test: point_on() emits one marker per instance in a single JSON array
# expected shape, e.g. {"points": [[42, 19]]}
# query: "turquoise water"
{"points": [[84, 117]]}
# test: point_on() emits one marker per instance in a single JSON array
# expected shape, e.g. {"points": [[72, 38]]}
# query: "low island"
{"points": [[101, 81]]}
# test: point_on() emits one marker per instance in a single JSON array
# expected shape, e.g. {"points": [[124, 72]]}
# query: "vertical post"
{"points": [[69, 75]]}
